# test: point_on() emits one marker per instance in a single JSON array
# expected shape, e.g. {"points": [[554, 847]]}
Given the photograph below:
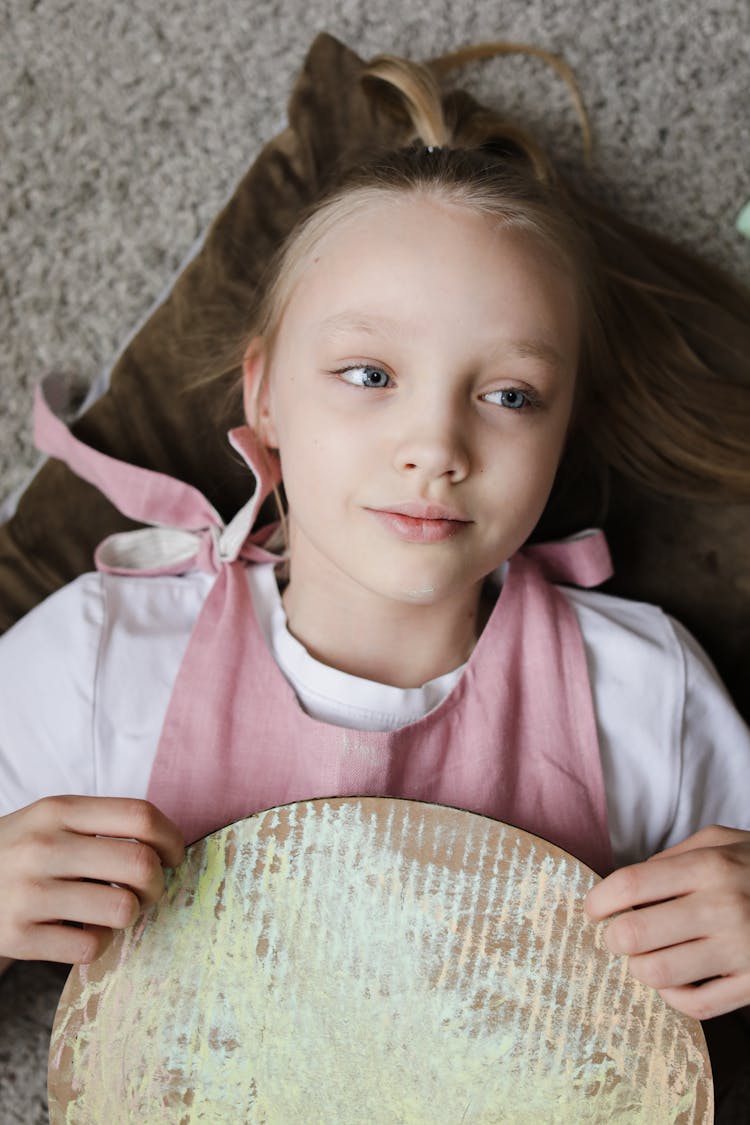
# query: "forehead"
{"points": [[412, 261]]}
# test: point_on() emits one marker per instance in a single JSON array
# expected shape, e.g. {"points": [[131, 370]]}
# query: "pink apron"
{"points": [[514, 740]]}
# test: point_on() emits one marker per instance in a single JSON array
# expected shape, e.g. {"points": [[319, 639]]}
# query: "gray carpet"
{"points": [[125, 127]]}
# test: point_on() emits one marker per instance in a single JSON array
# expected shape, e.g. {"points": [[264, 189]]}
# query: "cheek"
{"points": [[312, 468], [521, 479], [551, 439], [546, 463]]}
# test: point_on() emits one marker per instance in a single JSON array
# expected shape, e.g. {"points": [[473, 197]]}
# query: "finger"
{"points": [[123, 817], [67, 944], [679, 965], [714, 998], [102, 937], [657, 880], [96, 904], [128, 862], [660, 926], [712, 836]]}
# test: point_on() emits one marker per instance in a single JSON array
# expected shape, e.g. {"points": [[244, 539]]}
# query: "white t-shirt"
{"points": [[86, 677]]}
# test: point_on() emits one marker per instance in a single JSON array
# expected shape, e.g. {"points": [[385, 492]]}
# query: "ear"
{"points": [[256, 392]]}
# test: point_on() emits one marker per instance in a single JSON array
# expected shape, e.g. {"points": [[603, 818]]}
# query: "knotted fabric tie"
{"points": [[186, 531]]}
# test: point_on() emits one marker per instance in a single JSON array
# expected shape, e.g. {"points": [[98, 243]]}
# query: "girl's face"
{"points": [[419, 396]]}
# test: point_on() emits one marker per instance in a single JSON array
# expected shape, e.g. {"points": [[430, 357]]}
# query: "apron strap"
{"points": [[581, 560], [186, 530]]}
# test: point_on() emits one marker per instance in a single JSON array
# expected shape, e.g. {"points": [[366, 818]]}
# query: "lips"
{"points": [[424, 510], [420, 522]]}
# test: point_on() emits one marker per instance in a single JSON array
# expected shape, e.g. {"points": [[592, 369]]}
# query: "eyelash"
{"points": [[532, 402]]}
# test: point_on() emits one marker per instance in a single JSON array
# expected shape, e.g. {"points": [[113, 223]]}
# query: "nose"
{"points": [[433, 442]]}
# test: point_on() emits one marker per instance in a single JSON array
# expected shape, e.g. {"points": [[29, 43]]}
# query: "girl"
{"points": [[437, 334]]}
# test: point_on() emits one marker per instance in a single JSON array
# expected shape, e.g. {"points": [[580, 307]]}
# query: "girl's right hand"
{"points": [[58, 860]]}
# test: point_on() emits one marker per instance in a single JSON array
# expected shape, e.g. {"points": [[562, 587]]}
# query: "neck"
{"points": [[380, 639]]}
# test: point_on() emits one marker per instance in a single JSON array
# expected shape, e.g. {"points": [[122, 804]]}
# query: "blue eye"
{"points": [[511, 399], [373, 377], [514, 400]]}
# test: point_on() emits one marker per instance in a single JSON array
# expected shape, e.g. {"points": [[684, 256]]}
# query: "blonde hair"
{"points": [[663, 392]]}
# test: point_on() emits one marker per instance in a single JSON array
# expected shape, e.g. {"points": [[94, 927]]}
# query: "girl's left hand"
{"points": [[691, 938]]}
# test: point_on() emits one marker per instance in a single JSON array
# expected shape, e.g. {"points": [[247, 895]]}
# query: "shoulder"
{"points": [[672, 742], [80, 672], [77, 614], [635, 654], [70, 618], [47, 672], [146, 626], [144, 607], [634, 641], [606, 619]]}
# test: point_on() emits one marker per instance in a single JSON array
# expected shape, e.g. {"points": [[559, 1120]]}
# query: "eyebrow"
{"points": [[354, 320]]}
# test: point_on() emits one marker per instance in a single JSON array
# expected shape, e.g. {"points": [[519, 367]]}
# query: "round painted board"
{"points": [[371, 960]]}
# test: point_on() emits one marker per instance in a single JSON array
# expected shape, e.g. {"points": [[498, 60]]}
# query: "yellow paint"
{"points": [[326, 977]]}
